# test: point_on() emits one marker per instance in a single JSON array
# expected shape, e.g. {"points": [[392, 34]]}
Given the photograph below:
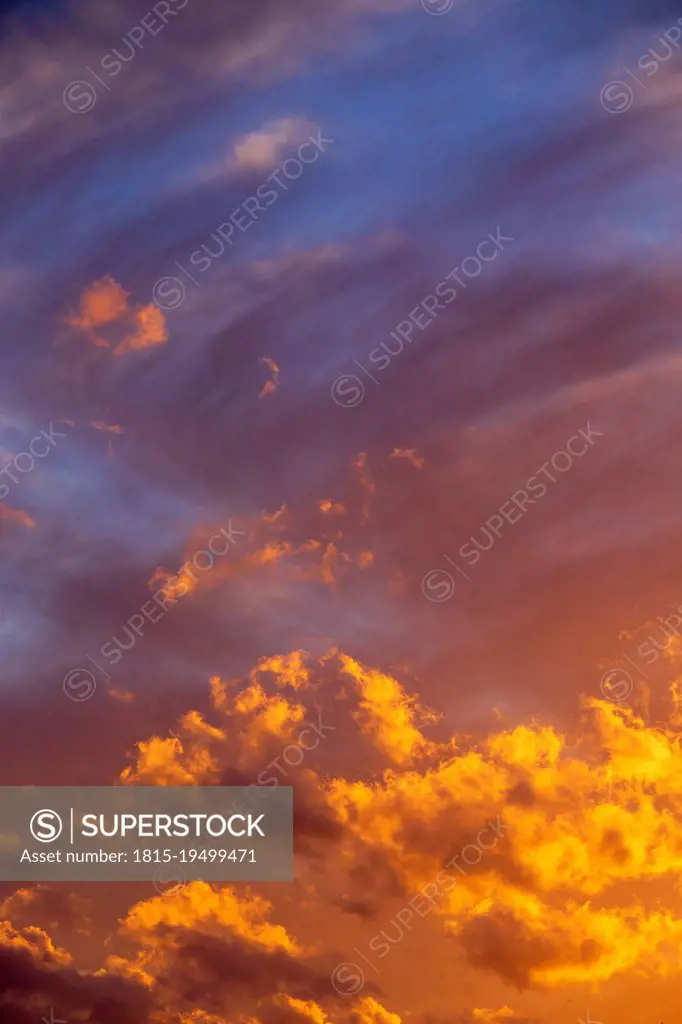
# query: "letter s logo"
{"points": [[46, 826]]}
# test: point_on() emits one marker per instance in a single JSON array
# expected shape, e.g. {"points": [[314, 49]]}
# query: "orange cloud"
{"points": [[102, 303], [111, 428], [304, 1010], [368, 1011], [149, 329], [387, 714], [219, 912], [540, 847], [124, 696], [16, 515], [288, 669], [329, 507], [411, 454], [105, 305]]}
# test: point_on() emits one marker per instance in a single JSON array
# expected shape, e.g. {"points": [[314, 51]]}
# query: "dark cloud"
{"points": [[501, 943], [27, 982], [48, 907], [212, 972]]}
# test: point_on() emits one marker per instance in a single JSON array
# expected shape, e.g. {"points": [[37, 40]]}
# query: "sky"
{"points": [[378, 300]]}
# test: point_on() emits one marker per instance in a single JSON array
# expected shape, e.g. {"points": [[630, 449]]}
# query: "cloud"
{"points": [[366, 480], [411, 455], [369, 1011], [17, 516], [199, 944], [388, 715], [594, 821], [35, 976], [110, 428], [133, 328], [331, 508], [262, 150], [47, 907], [271, 385]]}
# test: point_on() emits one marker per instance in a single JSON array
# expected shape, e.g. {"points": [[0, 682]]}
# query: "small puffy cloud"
{"points": [[331, 508], [110, 322], [102, 303], [262, 150]]}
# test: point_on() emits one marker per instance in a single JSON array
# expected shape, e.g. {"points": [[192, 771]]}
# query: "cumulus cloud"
{"points": [[557, 819], [35, 976], [47, 906]]}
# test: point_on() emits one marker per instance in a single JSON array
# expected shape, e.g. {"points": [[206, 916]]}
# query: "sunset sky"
{"points": [[340, 391]]}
